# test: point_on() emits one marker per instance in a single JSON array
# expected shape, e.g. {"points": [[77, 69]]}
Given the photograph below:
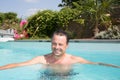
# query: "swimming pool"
{"points": [[12, 52]]}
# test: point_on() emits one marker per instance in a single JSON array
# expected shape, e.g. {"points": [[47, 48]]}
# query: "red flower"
{"points": [[22, 23]]}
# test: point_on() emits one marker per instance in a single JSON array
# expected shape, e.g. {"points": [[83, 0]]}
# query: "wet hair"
{"points": [[61, 33]]}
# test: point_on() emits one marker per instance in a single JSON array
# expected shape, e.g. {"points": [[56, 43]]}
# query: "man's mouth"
{"points": [[56, 51]]}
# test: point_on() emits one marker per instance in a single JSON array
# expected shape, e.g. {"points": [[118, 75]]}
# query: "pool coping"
{"points": [[76, 40]]}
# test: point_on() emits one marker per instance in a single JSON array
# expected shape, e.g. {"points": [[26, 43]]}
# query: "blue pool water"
{"points": [[12, 52]]}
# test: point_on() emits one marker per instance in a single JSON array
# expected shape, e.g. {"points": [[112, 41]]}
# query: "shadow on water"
{"points": [[47, 75], [77, 71], [57, 74]]}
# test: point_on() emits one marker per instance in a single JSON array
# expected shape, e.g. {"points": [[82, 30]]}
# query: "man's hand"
{"points": [[105, 64]]}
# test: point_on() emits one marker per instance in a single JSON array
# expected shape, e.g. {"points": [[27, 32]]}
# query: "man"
{"points": [[58, 56]]}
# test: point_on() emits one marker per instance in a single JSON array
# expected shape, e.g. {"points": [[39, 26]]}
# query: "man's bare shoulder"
{"points": [[39, 59], [78, 59], [43, 59], [75, 57]]}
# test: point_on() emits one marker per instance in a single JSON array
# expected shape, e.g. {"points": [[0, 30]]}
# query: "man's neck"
{"points": [[59, 57]]}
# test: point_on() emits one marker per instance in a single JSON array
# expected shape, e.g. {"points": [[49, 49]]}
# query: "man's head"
{"points": [[59, 42], [61, 33]]}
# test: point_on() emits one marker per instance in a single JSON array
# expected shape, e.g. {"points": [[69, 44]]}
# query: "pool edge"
{"points": [[73, 40]]}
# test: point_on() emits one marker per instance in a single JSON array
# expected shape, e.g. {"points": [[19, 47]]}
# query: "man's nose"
{"points": [[57, 46]]}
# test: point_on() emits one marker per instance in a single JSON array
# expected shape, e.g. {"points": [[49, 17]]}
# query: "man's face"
{"points": [[59, 45]]}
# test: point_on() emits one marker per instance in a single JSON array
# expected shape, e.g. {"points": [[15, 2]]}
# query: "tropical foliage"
{"points": [[9, 20], [41, 24], [95, 13], [92, 16], [44, 23]]}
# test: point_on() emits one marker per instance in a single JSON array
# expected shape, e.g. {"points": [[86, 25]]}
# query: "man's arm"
{"points": [[30, 62], [84, 61], [106, 64]]}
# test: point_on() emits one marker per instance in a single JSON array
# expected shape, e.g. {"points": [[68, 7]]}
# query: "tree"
{"points": [[1, 18], [41, 24], [68, 3], [92, 11], [44, 23], [8, 20]]}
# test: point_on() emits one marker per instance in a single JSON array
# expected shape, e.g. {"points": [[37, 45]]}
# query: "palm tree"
{"points": [[92, 11]]}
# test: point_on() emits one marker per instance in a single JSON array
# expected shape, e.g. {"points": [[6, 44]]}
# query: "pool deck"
{"points": [[76, 40]]}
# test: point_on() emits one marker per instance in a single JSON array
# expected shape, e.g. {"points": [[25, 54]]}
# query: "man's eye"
{"points": [[60, 44], [54, 43]]}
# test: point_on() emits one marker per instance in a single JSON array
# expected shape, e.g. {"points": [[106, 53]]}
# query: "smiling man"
{"points": [[58, 56]]}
